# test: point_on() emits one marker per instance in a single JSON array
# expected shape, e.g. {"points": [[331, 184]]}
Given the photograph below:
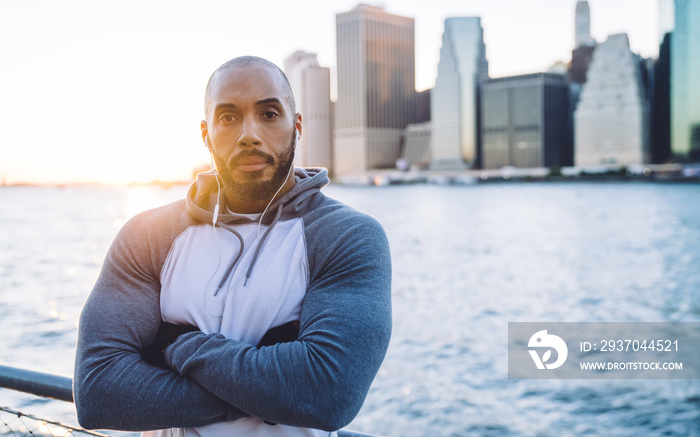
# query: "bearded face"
{"points": [[252, 186], [250, 129]]}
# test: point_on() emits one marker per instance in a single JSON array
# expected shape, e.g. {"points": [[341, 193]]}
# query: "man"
{"points": [[254, 306]]}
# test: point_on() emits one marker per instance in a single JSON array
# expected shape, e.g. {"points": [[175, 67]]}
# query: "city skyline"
{"points": [[85, 97]]}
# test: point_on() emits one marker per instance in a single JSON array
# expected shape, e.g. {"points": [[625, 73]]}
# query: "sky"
{"points": [[112, 91]]}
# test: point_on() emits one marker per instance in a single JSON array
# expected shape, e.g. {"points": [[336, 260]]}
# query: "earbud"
{"points": [[215, 217]]}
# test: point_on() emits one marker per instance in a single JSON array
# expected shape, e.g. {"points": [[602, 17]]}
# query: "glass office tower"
{"points": [[376, 88], [685, 82], [525, 121], [454, 102]]}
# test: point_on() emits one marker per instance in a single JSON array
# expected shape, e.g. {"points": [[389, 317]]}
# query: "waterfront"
{"points": [[467, 260]]}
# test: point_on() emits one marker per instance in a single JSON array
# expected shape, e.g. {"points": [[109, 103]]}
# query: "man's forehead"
{"points": [[248, 79]]}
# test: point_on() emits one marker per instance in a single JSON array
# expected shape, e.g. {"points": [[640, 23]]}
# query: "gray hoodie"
{"points": [[314, 260]]}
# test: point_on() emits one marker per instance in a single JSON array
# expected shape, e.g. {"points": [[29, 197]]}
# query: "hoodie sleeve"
{"points": [[321, 380], [113, 387]]}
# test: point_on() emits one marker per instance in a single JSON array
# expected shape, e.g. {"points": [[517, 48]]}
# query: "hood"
{"points": [[202, 196]]}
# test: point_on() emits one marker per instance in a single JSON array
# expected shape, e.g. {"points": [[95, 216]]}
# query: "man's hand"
{"points": [[167, 334]]}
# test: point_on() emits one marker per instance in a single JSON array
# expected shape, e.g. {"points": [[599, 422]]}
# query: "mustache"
{"points": [[253, 152]]}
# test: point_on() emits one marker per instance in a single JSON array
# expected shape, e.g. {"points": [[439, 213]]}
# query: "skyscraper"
{"points": [[376, 88], [454, 103], [583, 25], [685, 81], [584, 45], [660, 139], [525, 121], [311, 86], [580, 61], [611, 119]]}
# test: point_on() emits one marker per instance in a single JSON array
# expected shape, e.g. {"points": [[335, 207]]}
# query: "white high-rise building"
{"points": [[582, 35], [376, 88], [611, 119], [311, 86], [454, 101]]}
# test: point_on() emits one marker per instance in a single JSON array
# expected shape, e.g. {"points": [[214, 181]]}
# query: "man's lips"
{"points": [[251, 163]]}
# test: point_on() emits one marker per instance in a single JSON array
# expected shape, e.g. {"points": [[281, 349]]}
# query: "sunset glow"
{"points": [[111, 92]]}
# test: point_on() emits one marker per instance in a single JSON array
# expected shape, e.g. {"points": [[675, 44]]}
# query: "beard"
{"points": [[253, 188]]}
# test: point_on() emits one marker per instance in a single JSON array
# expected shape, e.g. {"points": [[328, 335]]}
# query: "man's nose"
{"points": [[249, 133]]}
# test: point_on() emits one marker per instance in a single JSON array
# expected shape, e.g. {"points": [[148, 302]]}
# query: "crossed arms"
{"points": [[318, 381]]}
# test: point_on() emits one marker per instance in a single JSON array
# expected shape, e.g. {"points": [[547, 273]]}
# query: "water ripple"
{"points": [[466, 261]]}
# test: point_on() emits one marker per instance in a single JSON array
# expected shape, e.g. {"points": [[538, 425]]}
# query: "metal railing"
{"points": [[61, 388]]}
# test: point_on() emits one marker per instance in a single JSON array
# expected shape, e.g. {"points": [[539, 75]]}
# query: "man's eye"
{"points": [[269, 114], [227, 118]]}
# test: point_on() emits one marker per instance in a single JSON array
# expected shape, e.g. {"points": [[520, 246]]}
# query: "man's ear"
{"points": [[297, 124], [205, 134]]}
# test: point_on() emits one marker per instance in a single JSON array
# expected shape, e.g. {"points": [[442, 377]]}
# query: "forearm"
{"points": [[114, 388], [315, 382], [127, 394], [320, 380]]}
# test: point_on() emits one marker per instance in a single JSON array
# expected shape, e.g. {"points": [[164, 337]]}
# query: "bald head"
{"points": [[245, 61]]}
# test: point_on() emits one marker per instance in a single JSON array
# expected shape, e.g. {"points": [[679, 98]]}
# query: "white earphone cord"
{"points": [[275, 195], [291, 166]]}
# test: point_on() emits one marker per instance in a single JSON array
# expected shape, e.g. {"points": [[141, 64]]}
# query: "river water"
{"points": [[466, 260]]}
